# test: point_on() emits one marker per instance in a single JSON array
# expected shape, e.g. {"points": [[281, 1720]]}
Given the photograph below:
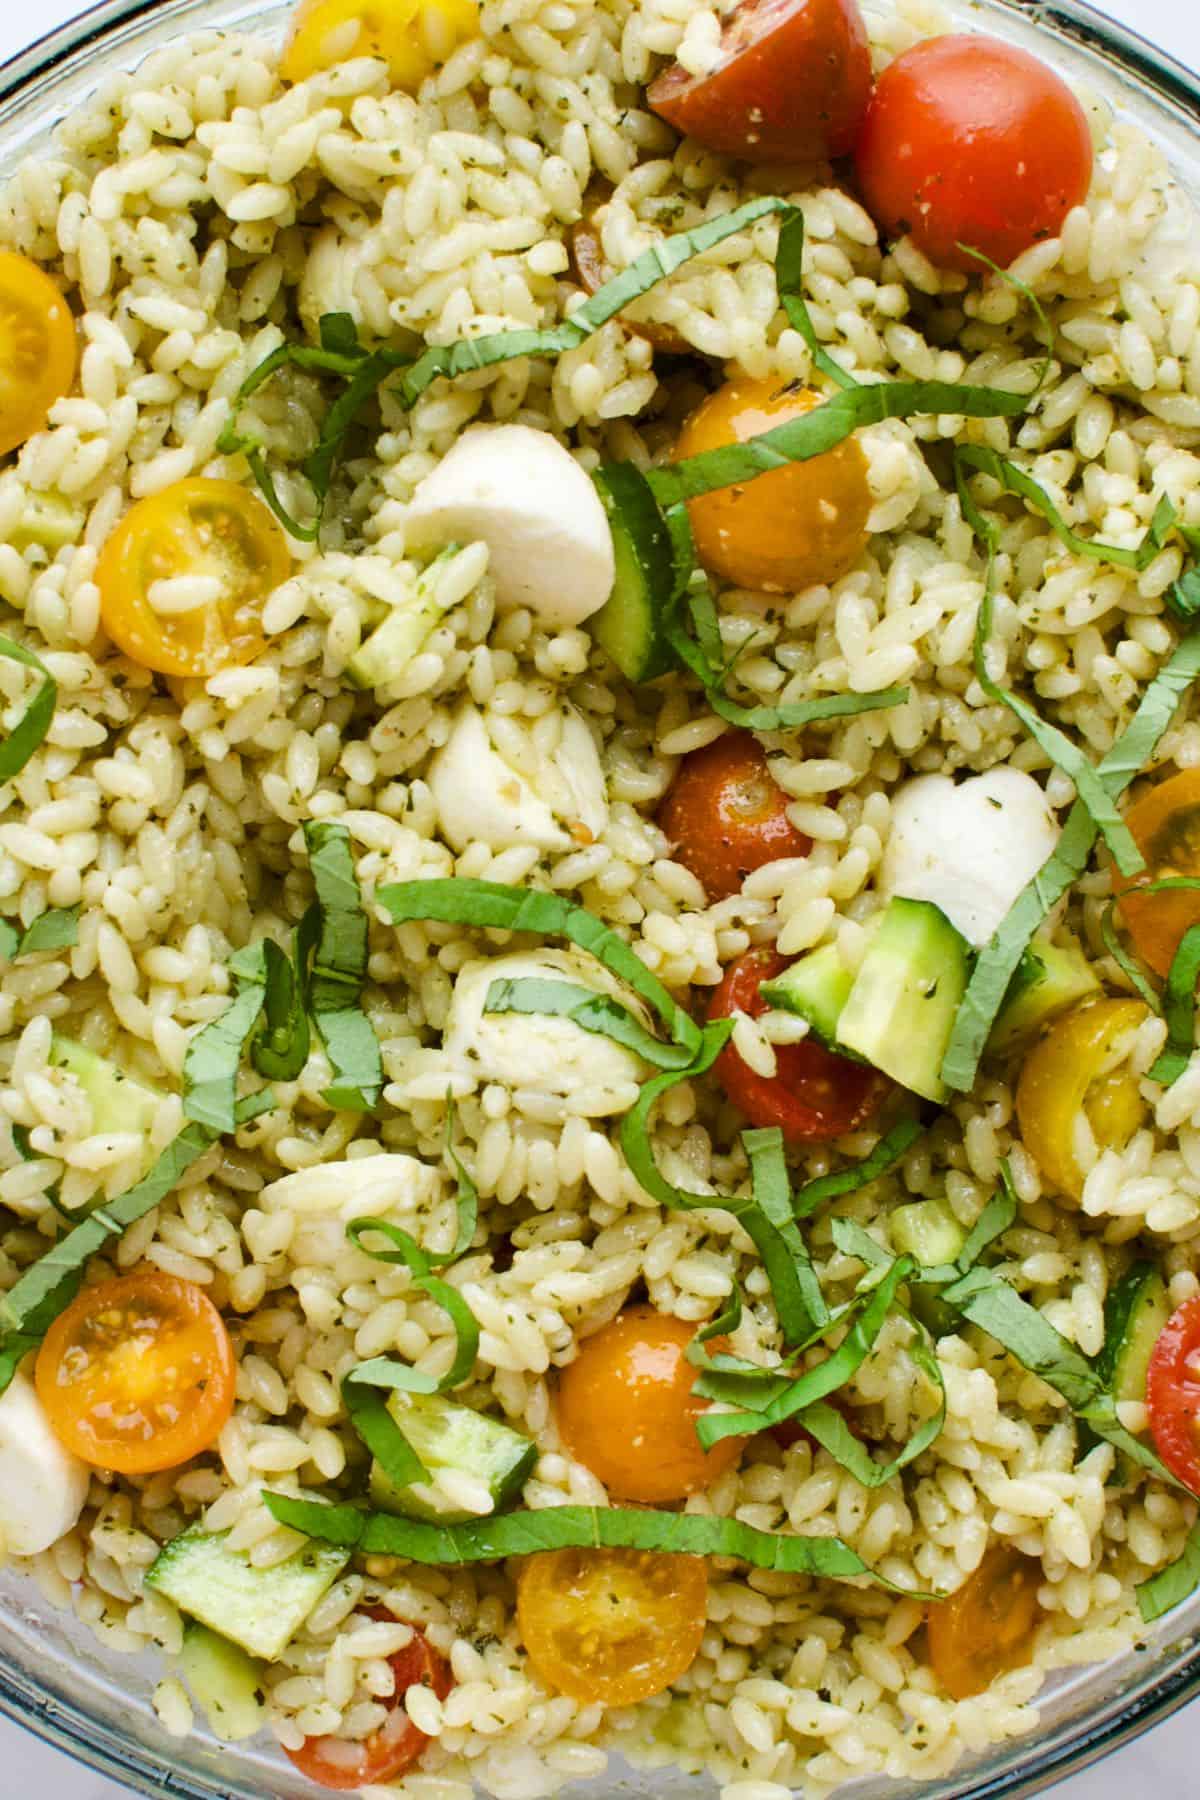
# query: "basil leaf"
{"points": [[772, 1194], [590, 1011], [214, 1056], [887, 1153], [338, 970], [997, 1217], [10, 940], [1183, 601], [826, 1424], [1179, 1010], [338, 332], [1174, 1584], [852, 1239], [56, 929], [789, 283], [1128, 965], [378, 1430], [30, 730], [1015, 480], [988, 1301], [492, 905], [524, 1533], [279, 1048]]}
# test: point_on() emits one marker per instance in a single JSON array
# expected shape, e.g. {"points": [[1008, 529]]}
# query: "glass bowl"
{"points": [[55, 1678]]}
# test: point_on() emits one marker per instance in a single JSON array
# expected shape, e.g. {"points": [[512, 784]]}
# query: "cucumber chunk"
{"points": [[387, 652], [1049, 979], [119, 1101], [48, 520], [224, 1681], [901, 1008], [260, 1609], [929, 1231], [816, 987], [1134, 1315], [631, 624], [448, 1436]]}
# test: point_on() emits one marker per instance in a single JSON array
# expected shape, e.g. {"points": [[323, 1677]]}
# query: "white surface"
{"points": [[1163, 1763]]}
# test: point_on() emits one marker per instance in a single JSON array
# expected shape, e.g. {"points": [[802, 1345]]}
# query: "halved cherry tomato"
{"points": [[212, 529], [988, 1626], [1173, 1393], [814, 1095], [138, 1373], [1067, 1086], [611, 1626], [627, 1412], [591, 270], [413, 37], [392, 1750], [791, 81], [726, 816], [787, 530], [972, 142], [1165, 824], [37, 348]]}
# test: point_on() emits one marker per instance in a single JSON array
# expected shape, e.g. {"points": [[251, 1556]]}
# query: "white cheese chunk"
{"points": [[481, 797], [43, 1487]]}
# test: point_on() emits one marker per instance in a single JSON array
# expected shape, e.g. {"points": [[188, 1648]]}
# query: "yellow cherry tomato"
{"points": [[1068, 1088], [797, 526], [1166, 828], [37, 348], [613, 1626], [414, 37], [626, 1410], [215, 531], [988, 1626]]}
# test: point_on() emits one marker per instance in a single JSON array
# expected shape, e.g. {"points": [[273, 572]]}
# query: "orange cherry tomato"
{"points": [[1067, 1080], [1165, 824], [138, 1373], [627, 1412], [791, 81], [726, 816], [216, 530], [611, 1626], [37, 348], [788, 530], [341, 1763], [988, 1626], [814, 1094], [1173, 1394], [413, 37], [972, 142]]}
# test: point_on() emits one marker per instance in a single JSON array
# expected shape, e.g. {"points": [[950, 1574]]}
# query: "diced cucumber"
{"points": [[225, 1682], [909, 985], [260, 1609], [119, 1101], [392, 646], [1134, 1315], [1048, 980], [929, 1231], [448, 1436], [816, 987], [631, 625], [48, 520]]}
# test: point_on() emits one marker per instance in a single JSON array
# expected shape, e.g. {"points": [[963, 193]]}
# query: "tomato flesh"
{"points": [[1066, 1074], [1165, 824], [727, 816], [791, 528], [972, 142], [814, 1095], [611, 1626], [627, 1412], [138, 1373], [392, 1750], [791, 81], [988, 1626], [1173, 1394], [37, 348]]}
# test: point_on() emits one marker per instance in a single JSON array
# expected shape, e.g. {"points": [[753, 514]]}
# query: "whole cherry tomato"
{"points": [[37, 348], [727, 816]]}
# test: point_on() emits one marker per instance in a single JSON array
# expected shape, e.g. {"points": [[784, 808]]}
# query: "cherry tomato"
{"points": [[726, 816], [37, 348], [413, 37], [138, 1373], [791, 81], [1067, 1084], [392, 1750], [591, 270], [790, 529], [1165, 824], [611, 1626], [1173, 1394], [988, 1626], [814, 1094], [627, 1412], [971, 141], [212, 529]]}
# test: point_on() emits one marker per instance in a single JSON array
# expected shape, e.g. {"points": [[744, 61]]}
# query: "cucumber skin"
{"points": [[816, 988], [911, 982], [440, 1419], [644, 581], [1134, 1314], [259, 1609]]}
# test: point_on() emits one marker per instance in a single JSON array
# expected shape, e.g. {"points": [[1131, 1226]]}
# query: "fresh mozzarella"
{"points": [[42, 1486], [549, 544], [969, 847], [330, 279], [548, 1055], [481, 797]]}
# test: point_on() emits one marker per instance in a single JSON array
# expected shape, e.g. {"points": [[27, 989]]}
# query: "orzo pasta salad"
{"points": [[600, 887]]}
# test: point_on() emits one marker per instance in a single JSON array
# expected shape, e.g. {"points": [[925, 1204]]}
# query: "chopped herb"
{"points": [[590, 1011], [1174, 1584], [30, 730], [334, 980]]}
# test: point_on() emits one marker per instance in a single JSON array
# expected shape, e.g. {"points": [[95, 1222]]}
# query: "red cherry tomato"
{"points": [[970, 141], [1173, 1394], [727, 816], [814, 1095], [791, 82], [335, 1762]]}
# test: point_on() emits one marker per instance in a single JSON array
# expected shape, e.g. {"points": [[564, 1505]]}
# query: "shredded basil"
{"points": [[590, 1011], [1174, 1584], [279, 1047], [1183, 601], [826, 1424], [338, 970], [30, 730], [367, 1410], [420, 1265], [1015, 480], [1128, 965], [214, 1056], [886, 1154], [1179, 1010], [55, 929]]}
